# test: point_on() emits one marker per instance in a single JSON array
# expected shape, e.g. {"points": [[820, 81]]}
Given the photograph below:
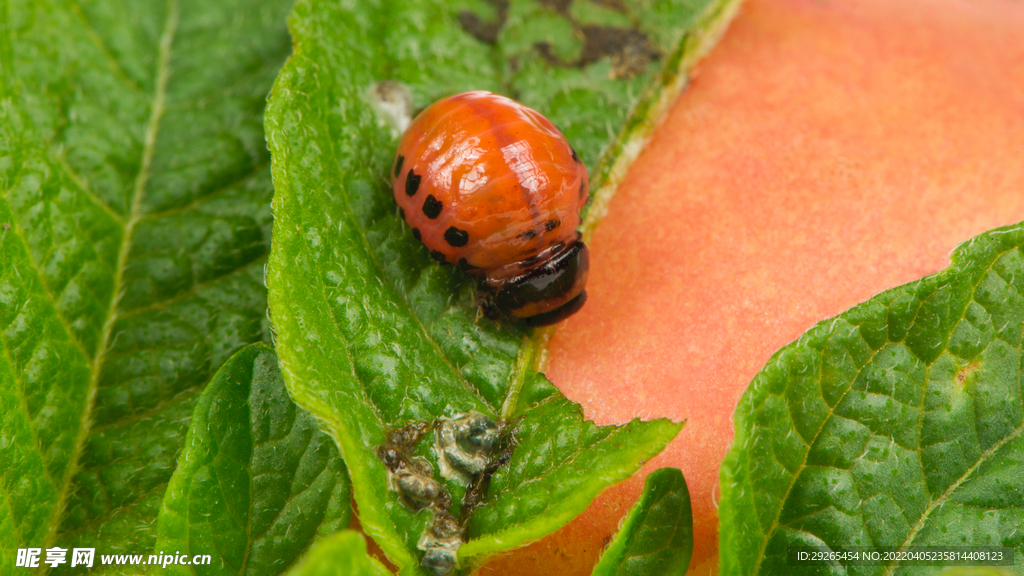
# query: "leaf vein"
{"points": [[204, 198], [49, 294], [195, 289], [23, 400], [97, 40], [103, 518], [182, 396], [775, 522], [162, 76], [919, 525]]}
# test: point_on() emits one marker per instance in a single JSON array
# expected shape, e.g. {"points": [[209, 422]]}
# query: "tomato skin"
{"points": [[493, 187]]}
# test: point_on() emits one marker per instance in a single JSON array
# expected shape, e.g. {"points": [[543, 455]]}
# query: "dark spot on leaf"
{"points": [[552, 224], [545, 50], [965, 371], [7, 226], [431, 207], [561, 6], [485, 31], [456, 237], [416, 234], [398, 165], [616, 5], [412, 183], [439, 256], [630, 49]]}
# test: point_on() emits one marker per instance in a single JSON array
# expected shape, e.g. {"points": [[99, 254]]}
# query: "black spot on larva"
{"points": [[527, 262], [574, 156], [416, 234], [412, 183], [398, 164], [439, 256], [456, 237], [401, 212], [551, 224], [431, 206], [464, 264], [528, 234], [583, 188]]}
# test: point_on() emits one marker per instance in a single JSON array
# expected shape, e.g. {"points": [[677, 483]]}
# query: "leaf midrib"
{"points": [[135, 216], [633, 524]]}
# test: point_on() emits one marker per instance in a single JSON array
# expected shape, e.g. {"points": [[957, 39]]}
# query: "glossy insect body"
{"points": [[493, 187]]}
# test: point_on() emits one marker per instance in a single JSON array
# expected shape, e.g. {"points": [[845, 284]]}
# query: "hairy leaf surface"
{"points": [[656, 538], [344, 553], [896, 423], [371, 333], [134, 202], [258, 480]]}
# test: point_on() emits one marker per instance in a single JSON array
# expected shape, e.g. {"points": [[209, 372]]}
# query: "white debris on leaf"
{"points": [[393, 103]]}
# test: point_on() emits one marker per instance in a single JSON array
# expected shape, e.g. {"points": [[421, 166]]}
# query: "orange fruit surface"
{"points": [[825, 151]]}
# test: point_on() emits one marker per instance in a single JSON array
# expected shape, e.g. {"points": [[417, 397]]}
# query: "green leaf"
{"points": [[977, 571], [343, 554], [257, 481], [134, 199], [897, 423], [560, 464], [371, 334], [656, 538]]}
